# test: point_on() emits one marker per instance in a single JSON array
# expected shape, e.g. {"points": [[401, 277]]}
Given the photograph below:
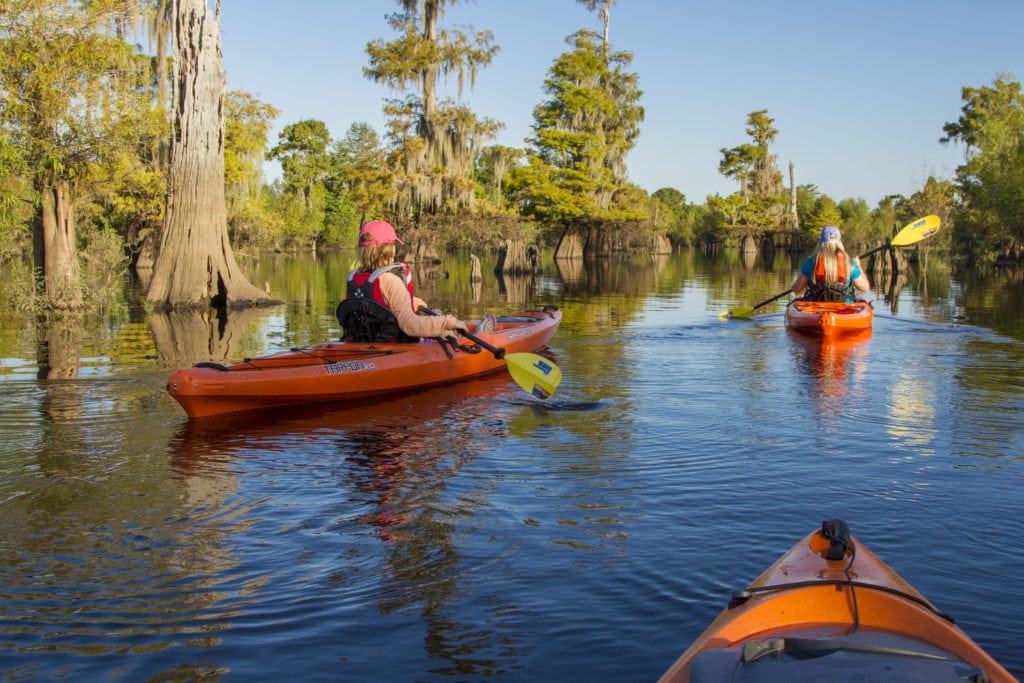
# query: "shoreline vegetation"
{"points": [[106, 165]]}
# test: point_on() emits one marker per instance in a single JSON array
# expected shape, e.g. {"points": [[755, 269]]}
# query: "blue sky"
{"points": [[859, 90]]}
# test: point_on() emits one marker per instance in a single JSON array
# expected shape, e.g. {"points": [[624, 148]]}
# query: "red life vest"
{"points": [[361, 284], [364, 314], [819, 269]]}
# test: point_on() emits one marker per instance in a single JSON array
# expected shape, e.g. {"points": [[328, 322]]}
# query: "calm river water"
{"points": [[470, 533]]}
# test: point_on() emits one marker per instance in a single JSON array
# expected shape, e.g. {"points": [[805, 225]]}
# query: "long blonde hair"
{"points": [[828, 252], [374, 256]]}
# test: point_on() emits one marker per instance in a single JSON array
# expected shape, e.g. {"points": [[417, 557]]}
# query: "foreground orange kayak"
{"points": [[809, 617], [337, 371], [823, 317]]}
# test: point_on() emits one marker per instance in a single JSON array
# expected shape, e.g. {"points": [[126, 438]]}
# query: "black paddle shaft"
{"points": [[768, 301], [498, 353]]}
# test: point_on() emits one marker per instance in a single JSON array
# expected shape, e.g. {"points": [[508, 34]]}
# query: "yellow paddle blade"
{"points": [[914, 232], [737, 313], [535, 374]]}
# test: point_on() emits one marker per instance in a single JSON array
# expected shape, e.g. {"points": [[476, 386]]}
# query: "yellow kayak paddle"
{"points": [[537, 375]]}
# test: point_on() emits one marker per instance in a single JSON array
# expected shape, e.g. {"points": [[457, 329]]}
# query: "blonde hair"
{"points": [[828, 251], [374, 256]]}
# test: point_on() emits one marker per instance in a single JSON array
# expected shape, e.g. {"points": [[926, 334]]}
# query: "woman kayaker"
{"points": [[388, 282], [830, 273]]}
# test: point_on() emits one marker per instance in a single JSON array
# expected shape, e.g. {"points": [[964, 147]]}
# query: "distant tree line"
{"points": [[86, 126]]}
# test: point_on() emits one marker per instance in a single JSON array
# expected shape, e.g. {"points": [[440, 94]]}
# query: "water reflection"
{"points": [[913, 412], [186, 338], [570, 270], [836, 364], [391, 462], [519, 288], [60, 348], [440, 536]]}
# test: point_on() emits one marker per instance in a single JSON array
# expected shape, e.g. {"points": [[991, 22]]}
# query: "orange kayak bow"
{"points": [[812, 617]]}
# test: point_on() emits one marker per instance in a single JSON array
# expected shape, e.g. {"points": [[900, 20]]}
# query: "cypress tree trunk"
{"points": [[794, 240], [56, 254], [196, 267], [515, 258], [570, 246]]}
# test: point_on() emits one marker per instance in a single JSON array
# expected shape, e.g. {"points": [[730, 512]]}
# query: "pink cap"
{"points": [[381, 232]]}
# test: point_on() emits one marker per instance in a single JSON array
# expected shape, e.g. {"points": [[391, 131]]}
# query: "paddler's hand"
{"points": [[459, 325]]}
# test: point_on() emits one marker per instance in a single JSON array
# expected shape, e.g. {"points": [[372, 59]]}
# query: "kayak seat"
{"points": [[365, 321], [830, 293], [829, 664]]}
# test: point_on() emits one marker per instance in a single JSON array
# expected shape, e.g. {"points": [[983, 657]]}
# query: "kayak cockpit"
{"points": [[813, 656]]}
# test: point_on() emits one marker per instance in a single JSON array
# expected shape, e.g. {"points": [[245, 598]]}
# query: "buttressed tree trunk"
{"points": [[196, 267], [56, 254]]}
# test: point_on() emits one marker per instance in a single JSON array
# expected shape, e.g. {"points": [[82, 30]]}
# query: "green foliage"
{"points": [[581, 136], [104, 268], [73, 95], [824, 212], [360, 174], [990, 226], [19, 291], [673, 217], [15, 189], [494, 166], [710, 224], [760, 203], [302, 151], [247, 123], [434, 141], [133, 207], [76, 108]]}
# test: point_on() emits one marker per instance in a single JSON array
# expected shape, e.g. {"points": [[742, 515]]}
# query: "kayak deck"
{"points": [[828, 318], [811, 618], [340, 370]]}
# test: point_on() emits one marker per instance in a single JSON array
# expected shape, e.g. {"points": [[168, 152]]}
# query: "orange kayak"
{"points": [[809, 617], [338, 371], [823, 317]]}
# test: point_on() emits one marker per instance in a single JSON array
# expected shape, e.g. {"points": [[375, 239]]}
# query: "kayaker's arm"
{"points": [[798, 283], [803, 276], [860, 282], [396, 295]]}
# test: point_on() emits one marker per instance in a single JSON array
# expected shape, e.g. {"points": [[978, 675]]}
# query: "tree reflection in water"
{"points": [[392, 460]]}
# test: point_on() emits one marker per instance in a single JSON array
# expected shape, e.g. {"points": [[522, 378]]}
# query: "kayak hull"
{"points": [[805, 607], [339, 371], [827, 318]]}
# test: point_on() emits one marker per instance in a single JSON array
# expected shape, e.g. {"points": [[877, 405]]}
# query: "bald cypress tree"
{"points": [[435, 142], [196, 267], [69, 91], [576, 176]]}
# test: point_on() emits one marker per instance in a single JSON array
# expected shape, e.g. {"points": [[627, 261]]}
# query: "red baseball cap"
{"points": [[380, 232]]}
